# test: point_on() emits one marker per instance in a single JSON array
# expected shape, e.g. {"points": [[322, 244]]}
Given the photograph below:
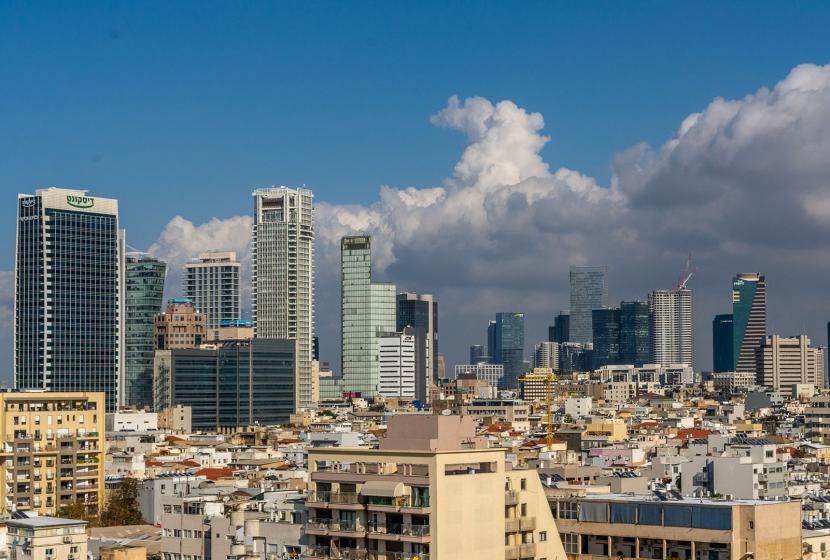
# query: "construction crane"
{"points": [[549, 377], [686, 275]]}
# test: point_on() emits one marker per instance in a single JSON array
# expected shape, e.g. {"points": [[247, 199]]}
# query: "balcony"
{"points": [[334, 527], [399, 531], [335, 500], [527, 524], [511, 525], [511, 498], [405, 504], [314, 551]]}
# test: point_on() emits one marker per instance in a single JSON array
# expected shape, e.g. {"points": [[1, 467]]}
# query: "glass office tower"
{"points": [[68, 326], [723, 358], [143, 292], [509, 333], [589, 291], [749, 318], [367, 311], [635, 338], [211, 282], [605, 324]]}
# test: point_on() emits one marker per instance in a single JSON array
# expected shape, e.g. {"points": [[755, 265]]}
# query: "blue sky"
{"points": [[181, 108]]}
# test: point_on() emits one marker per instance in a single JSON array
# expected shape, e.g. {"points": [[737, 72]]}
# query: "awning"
{"points": [[384, 488]]}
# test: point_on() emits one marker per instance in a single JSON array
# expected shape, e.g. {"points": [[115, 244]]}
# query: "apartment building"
{"points": [[659, 526], [52, 450], [47, 538], [181, 325], [432, 490], [511, 411]]}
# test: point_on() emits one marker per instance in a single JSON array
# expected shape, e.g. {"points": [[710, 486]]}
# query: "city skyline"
{"points": [[633, 175]]}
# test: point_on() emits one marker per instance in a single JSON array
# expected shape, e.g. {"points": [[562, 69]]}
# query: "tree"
{"points": [[122, 508], [77, 510]]}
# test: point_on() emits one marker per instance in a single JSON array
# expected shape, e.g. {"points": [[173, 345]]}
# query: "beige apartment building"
{"points": [[52, 450], [47, 538], [783, 362], [431, 491], [623, 526], [181, 325]]}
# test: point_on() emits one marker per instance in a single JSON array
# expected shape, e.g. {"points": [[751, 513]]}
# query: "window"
{"points": [[524, 484], [168, 508], [543, 536], [524, 510], [751, 524], [568, 510], [571, 543]]}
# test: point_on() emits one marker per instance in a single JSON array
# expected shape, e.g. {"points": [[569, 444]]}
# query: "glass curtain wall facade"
{"points": [[368, 309], [510, 347], [589, 291], [722, 352], [635, 339], [144, 292], [68, 326], [282, 249], [240, 383], [605, 324], [749, 318], [211, 282]]}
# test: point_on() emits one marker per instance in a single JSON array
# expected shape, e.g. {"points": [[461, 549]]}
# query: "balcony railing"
{"points": [[314, 551], [400, 529], [334, 497], [334, 525], [399, 501]]}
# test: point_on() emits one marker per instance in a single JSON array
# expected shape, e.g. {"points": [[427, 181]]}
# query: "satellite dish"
{"points": [[446, 412]]}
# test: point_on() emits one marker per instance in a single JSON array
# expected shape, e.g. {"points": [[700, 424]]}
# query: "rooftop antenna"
{"points": [[686, 274]]}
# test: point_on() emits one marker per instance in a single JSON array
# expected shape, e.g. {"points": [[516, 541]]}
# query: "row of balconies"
{"points": [[325, 499], [520, 551], [520, 525], [314, 551], [354, 526]]}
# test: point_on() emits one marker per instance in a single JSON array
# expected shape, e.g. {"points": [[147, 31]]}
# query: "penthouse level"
{"points": [[657, 527]]}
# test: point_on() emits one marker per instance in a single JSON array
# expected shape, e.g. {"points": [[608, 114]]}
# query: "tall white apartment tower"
{"points": [[211, 282], [282, 245], [672, 340]]}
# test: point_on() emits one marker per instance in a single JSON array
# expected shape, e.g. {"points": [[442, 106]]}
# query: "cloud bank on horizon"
{"points": [[742, 184]]}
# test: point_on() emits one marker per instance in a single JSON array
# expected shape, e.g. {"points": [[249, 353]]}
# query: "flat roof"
{"points": [[42, 521], [687, 500]]}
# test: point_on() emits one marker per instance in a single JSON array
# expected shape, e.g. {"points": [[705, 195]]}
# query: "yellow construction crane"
{"points": [[549, 377]]}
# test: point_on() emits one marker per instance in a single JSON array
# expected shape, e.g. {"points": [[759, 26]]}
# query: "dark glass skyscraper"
{"points": [[635, 338], [143, 294], [240, 383], [749, 318], [477, 354], [606, 336], [723, 358], [561, 329], [68, 293], [509, 334]]}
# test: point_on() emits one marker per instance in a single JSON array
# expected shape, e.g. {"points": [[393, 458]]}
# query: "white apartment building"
{"points": [[546, 355], [733, 380], [396, 365], [211, 281], [491, 373], [282, 248], [577, 407], [671, 326]]}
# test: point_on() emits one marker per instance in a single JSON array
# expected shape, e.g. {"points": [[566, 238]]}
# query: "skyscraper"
{"points": [[420, 312], [282, 248], [509, 342], [211, 282], [749, 318], [723, 358], [69, 274], [367, 312], [143, 292], [672, 340], [561, 330], [491, 340], [635, 333], [605, 324], [782, 362], [589, 291], [477, 354]]}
